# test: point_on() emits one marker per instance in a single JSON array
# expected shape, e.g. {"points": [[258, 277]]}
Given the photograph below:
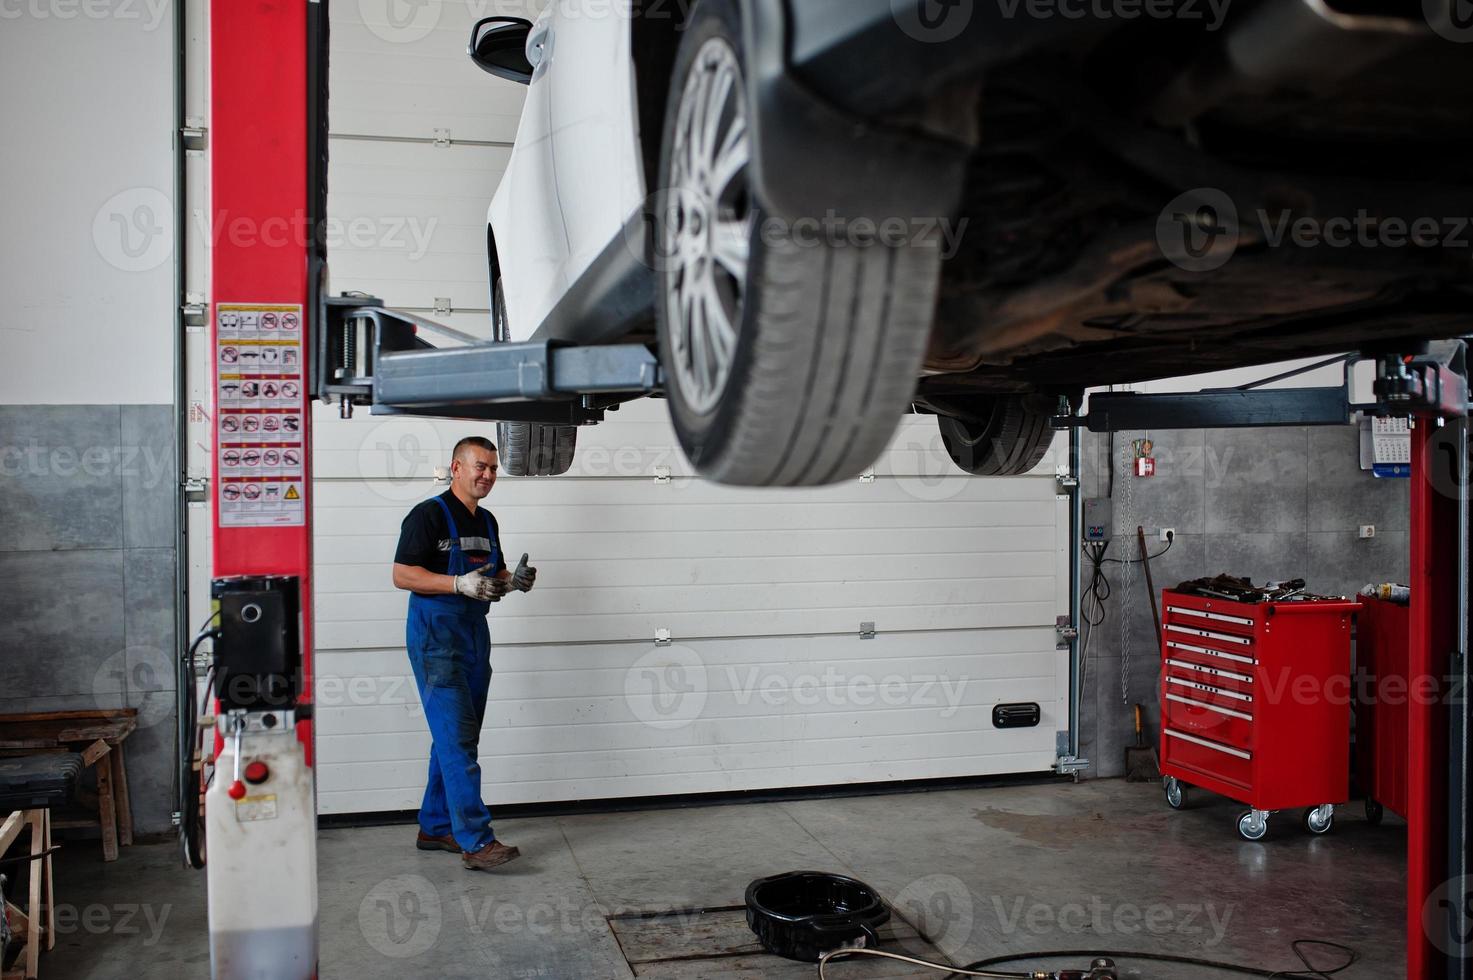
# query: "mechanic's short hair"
{"points": [[479, 442]]}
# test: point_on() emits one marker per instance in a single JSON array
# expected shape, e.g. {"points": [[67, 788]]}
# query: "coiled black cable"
{"points": [[1298, 946], [186, 779]]}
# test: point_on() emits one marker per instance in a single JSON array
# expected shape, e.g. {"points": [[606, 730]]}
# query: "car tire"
{"points": [[528, 448], [531, 449], [1005, 435], [790, 362]]}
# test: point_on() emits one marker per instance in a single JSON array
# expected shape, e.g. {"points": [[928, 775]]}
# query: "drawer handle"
{"points": [[1234, 657], [1247, 698], [1208, 634], [1208, 744], [1220, 617], [1214, 671], [1210, 707]]}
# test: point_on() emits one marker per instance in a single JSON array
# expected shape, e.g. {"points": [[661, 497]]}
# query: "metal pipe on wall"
{"points": [[1076, 529], [181, 391]]}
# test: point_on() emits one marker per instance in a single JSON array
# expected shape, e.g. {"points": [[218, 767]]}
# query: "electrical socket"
{"points": [[1367, 531], [1167, 533]]}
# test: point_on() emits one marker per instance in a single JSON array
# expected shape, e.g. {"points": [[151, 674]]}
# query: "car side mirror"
{"points": [[499, 46]]}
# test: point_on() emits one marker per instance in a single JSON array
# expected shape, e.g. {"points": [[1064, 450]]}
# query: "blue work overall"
{"points": [[450, 651]]}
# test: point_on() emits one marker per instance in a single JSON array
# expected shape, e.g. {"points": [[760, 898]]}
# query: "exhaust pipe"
{"points": [[1305, 46]]}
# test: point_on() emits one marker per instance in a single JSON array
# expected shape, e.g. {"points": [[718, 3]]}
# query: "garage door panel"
{"points": [[638, 438], [400, 736], [458, 178], [370, 577], [552, 601], [591, 768], [995, 543], [576, 628], [407, 221], [552, 789], [401, 69], [370, 664], [546, 733], [660, 517]]}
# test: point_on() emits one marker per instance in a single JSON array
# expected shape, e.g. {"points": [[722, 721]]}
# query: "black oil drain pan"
{"points": [[801, 915]]}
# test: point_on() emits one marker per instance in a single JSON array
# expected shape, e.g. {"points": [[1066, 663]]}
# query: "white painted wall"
{"points": [[86, 164]]}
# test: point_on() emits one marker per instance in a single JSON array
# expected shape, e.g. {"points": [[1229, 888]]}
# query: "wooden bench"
{"points": [[99, 736]]}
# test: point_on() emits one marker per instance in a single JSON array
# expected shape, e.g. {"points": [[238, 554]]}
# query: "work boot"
{"points": [[493, 855], [427, 843]]}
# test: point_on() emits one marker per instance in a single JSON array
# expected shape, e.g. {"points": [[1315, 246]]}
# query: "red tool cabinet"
{"points": [[1256, 704], [1382, 709]]}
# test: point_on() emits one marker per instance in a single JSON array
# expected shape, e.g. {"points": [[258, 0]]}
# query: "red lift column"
{"points": [[261, 238], [1433, 625], [260, 812]]}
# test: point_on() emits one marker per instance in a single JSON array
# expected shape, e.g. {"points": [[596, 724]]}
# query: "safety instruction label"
{"points": [[251, 808], [259, 415]]}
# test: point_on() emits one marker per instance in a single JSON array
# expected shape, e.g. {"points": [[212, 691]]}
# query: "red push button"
{"points": [[256, 772]]}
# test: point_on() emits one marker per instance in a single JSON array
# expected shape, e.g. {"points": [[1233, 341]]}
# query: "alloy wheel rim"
{"points": [[706, 234]]}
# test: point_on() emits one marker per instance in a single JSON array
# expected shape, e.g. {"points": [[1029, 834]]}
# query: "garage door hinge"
{"points": [[444, 306], [195, 313], [442, 137], [195, 137], [1066, 764], [662, 474], [868, 476], [196, 490], [866, 631], [662, 637], [1064, 484], [1067, 634]]}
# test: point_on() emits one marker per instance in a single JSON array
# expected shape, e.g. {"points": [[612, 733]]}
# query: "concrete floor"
{"points": [[1098, 865]]}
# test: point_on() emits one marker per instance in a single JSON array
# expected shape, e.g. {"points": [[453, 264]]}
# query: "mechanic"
{"points": [[449, 560]]}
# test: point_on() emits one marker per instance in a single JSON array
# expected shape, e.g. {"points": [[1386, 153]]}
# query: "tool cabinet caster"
{"points": [[1253, 825], [1375, 812], [1319, 819], [1176, 792]]}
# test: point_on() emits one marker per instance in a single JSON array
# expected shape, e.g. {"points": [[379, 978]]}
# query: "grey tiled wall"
{"points": [[1263, 503], [87, 575]]}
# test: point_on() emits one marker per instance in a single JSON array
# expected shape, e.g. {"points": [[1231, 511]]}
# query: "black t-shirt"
{"points": [[424, 538]]}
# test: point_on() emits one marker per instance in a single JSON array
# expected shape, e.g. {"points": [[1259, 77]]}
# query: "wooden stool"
{"points": [[29, 923]]}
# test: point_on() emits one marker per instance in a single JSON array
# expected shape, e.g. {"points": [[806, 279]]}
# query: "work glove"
{"points": [[479, 586], [524, 577]]}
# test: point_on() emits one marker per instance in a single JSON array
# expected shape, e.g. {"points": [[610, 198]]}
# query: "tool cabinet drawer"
{"points": [[1208, 693], [1204, 670], [1208, 619], [1202, 756], [1231, 726], [1210, 639]]}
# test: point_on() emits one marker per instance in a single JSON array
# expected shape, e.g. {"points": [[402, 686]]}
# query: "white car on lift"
{"points": [[774, 193]]}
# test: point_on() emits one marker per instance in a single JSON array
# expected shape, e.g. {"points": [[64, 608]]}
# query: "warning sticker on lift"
{"points": [[251, 808], [260, 415]]}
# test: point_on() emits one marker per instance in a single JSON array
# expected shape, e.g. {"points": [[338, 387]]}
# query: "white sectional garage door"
{"points": [[765, 681]]}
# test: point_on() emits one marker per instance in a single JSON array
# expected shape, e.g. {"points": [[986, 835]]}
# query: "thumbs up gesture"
{"points": [[524, 577]]}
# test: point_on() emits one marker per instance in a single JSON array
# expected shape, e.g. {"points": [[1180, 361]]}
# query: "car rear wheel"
{"points": [[1000, 435], [529, 448], [789, 359]]}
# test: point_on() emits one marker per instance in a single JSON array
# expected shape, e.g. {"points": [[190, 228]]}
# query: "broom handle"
{"points": [[1140, 535]]}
